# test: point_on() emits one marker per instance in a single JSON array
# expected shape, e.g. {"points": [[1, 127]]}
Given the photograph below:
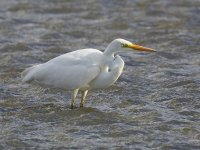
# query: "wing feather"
{"points": [[68, 77], [70, 71]]}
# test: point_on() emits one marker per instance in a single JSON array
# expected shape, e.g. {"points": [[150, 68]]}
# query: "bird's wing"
{"points": [[72, 70], [77, 57], [65, 76]]}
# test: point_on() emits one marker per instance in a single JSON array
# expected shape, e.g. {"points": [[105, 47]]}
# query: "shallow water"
{"points": [[155, 104]]}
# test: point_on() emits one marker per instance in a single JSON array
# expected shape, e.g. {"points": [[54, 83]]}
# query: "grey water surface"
{"points": [[155, 104]]}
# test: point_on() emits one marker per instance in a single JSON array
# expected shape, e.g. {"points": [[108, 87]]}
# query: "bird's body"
{"points": [[82, 70]]}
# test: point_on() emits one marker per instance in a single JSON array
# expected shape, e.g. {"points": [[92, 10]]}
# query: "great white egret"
{"points": [[83, 69]]}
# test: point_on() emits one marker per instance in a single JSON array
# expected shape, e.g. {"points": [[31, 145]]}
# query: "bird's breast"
{"points": [[109, 73]]}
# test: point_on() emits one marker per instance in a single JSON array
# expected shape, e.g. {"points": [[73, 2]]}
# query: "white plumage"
{"points": [[83, 69]]}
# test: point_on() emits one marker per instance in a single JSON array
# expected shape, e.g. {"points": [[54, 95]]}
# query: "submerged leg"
{"points": [[83, 96], [74, 94]]}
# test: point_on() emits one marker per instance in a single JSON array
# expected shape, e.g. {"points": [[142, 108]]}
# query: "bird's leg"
{"points": [[74, 94], [83, 96]]}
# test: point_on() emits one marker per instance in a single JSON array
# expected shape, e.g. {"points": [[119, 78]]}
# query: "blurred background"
{"points": [[155, 104]]}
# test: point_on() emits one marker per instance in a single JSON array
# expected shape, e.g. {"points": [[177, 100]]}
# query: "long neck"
{"points": [[110, 50], [107, 78]]}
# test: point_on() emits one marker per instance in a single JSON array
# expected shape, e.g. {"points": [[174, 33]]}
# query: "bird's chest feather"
{"points": [[110, 72]]}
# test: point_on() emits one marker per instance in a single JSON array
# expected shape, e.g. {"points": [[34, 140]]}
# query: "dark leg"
{"points": [[74, 94], [83, 96]]}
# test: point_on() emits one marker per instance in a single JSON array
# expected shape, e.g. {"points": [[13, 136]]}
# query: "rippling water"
{"points": [[154, 105]]}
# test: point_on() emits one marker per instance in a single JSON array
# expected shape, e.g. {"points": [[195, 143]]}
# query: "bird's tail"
{"points": [[26, 75]]}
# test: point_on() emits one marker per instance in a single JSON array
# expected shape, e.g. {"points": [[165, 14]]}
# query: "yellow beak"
{"points": [[141, 48]]}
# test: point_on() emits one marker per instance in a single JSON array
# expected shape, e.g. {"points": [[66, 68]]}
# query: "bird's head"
{"points": [[120, 45]]}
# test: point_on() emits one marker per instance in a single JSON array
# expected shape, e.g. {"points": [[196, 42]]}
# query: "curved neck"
{"points": [[109, 51]]}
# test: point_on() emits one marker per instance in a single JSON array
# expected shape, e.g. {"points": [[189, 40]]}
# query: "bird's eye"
{"points": [[124, 45]]}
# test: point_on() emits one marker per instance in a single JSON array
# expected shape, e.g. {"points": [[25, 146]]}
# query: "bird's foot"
{"points": [[81, 105]]}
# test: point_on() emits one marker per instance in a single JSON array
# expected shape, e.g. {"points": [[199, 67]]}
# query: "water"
{"points": [[155, 103]]}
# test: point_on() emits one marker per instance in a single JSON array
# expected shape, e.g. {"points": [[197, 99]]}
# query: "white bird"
{"points": [[83, 69]]}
